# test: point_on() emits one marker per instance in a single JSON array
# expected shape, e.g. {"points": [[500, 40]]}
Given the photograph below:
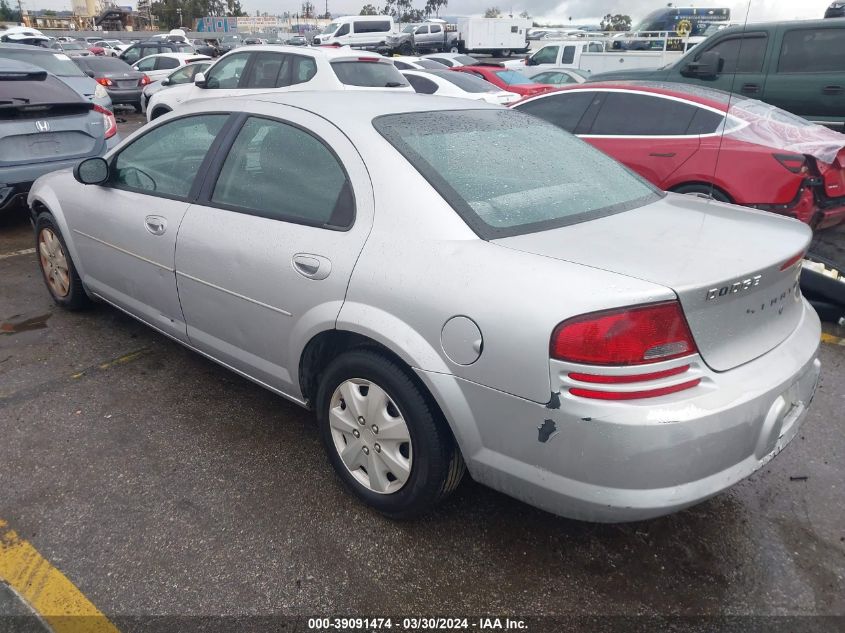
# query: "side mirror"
{"points": [[165, 82], [708, 66], [91, 171], [530, 61], [199, 80]]}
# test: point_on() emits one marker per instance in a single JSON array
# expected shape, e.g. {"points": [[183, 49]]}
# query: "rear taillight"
{"points": [[105, 81], [796, 163], [109, 122], [628, 336], [144, 80], [789, 263]]}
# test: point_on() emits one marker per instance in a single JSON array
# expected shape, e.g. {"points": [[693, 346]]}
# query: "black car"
{"points": [[835, 10], [123, 83], [139, 50]]}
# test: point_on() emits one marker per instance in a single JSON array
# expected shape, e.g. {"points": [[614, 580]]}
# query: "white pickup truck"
{"points": [[598, 56]]}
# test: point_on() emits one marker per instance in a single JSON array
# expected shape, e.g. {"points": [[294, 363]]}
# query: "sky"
{"points": [[581, 11]]}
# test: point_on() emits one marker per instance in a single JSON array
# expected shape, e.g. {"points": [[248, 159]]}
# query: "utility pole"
{"points": [[20, 11], [327, 9]]}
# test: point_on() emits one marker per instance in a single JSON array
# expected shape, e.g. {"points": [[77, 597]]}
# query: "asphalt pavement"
{"points": [[160, 483]]}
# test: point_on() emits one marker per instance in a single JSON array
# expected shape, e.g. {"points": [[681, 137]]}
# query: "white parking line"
{"points": [[23, 251]]}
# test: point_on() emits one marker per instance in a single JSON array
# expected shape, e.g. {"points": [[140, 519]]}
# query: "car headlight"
{"points": [[100, 92]]}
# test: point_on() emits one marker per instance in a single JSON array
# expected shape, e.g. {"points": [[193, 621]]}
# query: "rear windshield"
{"points": [[57, 63], [17, 93], [468, 83], [72, 46], [368, 74], [466, 60], [106, 64], [430, 64], [535, 176]]}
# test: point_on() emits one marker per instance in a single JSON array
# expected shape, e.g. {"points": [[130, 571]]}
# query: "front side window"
{"points": [[279, 171], [146, 65], [813, 51], [546, 55], [166, 63], [742, 54], [166, 160], [344, 30], [226, 74], [550, 178], [423, 30], [132, 54], [184, 75]]}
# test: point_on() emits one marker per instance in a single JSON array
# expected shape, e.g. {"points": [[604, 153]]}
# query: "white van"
{"points": [[359, 31]]}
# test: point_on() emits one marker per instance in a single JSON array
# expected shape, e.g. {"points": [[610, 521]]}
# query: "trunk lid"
{"points": [[723, 263]]}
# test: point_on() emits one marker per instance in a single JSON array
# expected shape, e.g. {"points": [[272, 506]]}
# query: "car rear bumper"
{"points": [[817, 210], [132, 96], [614, 462]]}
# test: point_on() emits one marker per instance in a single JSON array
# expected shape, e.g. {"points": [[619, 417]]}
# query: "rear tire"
{"points": [[399, 456], [158, 112], [454, 50], [705, 191], [57, 268]]}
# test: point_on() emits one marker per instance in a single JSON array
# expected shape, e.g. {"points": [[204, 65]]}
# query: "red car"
{"points": [[693, 139], [506, 79]]}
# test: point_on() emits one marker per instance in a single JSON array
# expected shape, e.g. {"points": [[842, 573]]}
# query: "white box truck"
{"points": [[498, 36]]}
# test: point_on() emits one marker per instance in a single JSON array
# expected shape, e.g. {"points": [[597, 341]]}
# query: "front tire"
{"points": [[57, 268], [385, 438]]}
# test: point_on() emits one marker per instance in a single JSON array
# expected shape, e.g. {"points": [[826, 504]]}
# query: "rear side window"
{"points": [[742, 54], [368, 74], [167, 63], [562, 110], [550, 178], [372, 26], [421, 84], [813, 51], [705, 122], [568, 55], [266, 69], [642, 115], [430, 64], [435, 28], [278, 171]]}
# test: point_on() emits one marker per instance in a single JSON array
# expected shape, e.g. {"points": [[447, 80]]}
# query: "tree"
{"points": [[493, 12], [234, 9], [307, 10], [616, 22], [368, 9], [525, 15], [434, 6], [7, 14]]}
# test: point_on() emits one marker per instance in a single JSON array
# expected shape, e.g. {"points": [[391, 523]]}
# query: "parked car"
{"points": [[71, 49], [161, 65], [555, 76], [44, 125], [360, 31], [406, 298], [257, 69], [452, 59], [182, 75], [416, 63], [298, 40], [506, 79], [24, 35], [123, 83], [112, 48], [708, 142], [445, 83], [798, 66], [139, 50], [252, 41], [402, 42], [62, 67], [434, 36], [835, 10]]}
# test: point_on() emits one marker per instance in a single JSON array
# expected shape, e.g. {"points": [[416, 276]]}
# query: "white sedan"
{"points": [[161, 65], [272, 68], [446, 83]]}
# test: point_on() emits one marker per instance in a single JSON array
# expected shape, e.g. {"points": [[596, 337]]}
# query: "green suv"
{"points": [[798, 66]]}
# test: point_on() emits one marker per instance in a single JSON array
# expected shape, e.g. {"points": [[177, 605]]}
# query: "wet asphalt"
{"points": [[160, 483]]}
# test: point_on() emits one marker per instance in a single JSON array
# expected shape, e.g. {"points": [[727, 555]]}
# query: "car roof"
{"points": [[28, 47], [14, 65], [328, 52], [703, 95], [177, 55]]}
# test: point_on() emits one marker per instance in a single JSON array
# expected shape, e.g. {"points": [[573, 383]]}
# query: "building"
{"points": [[86, 11], [50, 20]]}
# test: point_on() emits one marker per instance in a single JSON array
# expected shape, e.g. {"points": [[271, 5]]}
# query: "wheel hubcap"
{"points": [[53, 262], [370, 436]]}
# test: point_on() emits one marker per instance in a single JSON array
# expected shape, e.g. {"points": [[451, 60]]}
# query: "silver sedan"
{"points": [[451, 286]]}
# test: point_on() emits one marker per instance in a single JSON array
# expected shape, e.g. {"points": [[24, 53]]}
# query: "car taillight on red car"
{"points": [[625, 337], [109, 122], [144, 81], [104, 81], [796, 163]]}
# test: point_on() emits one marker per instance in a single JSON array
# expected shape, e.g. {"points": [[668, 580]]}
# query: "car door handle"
{"points": [[312, 266], [832, 90], [663, 155], [155, 224], [750, 88]]}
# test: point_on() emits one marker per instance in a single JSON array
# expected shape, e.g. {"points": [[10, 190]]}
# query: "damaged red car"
{"points": [[697, 140]]}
